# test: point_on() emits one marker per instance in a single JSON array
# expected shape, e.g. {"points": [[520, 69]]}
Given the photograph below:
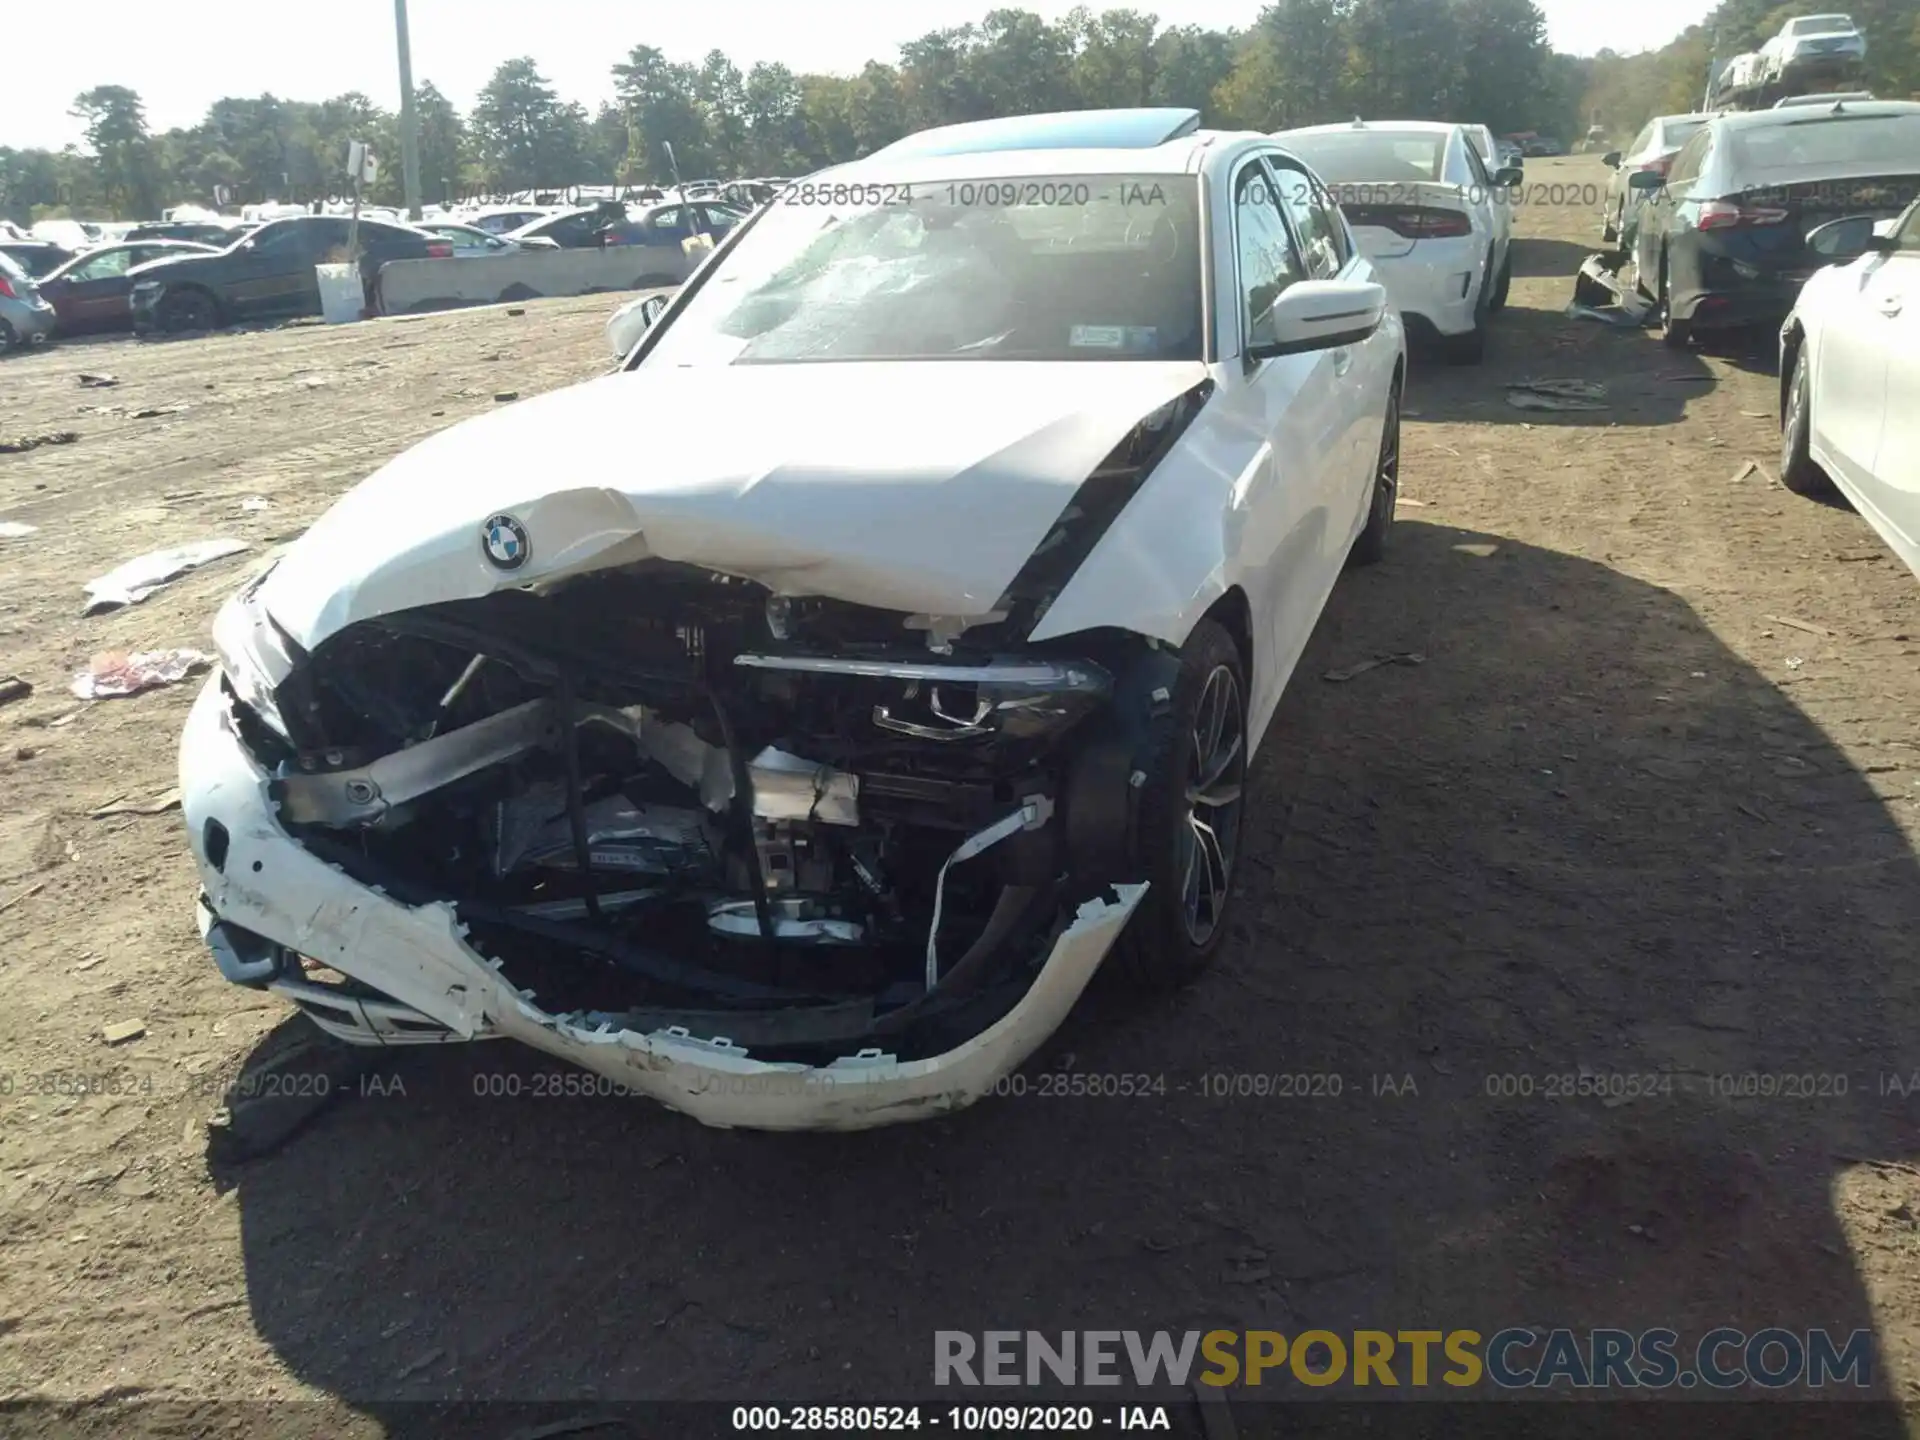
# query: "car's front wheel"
{"points": [[1188, 826], [1798, 471]]}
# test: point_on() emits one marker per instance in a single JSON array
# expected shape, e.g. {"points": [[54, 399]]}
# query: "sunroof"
{"points": [[1062, 130]]}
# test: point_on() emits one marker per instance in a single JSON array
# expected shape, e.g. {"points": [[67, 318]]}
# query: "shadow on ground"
{"points": [[1581, 838], [1556, 259]]}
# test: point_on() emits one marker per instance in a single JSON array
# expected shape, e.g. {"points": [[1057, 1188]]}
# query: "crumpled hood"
{"points": [[919, 487]]}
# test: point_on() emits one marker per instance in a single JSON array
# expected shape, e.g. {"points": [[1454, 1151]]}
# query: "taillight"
{"points": [[6, 289], [1412, 222], [440, 250], [1724, 215]]}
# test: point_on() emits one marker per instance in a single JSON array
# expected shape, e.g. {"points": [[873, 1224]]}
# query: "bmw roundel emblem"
{"points": [[505, 541]]}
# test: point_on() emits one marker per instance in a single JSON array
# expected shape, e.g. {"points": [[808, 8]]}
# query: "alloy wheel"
{"points": [[1216, 770]]}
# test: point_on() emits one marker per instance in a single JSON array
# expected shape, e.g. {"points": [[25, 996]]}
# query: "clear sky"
{"points": [[182, 56]]}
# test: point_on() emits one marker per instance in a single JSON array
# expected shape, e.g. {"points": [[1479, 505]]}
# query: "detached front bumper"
{"points": [[263, 883]]}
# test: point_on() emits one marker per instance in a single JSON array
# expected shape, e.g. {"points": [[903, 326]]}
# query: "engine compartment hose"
{"points": [[1030, 816], [576, 805], [743, 814]]}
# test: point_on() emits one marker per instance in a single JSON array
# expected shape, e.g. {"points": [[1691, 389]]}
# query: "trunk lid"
{"points": [[1390, 218]]}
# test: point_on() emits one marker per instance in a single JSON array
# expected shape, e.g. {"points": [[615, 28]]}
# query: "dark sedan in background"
{"points": [[269, 275], [201, 232], [1722, 240], [93, 291], [614, 224], [36, 257]]}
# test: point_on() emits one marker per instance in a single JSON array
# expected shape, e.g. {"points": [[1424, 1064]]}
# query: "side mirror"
{"points": [[1846, 239], [1647, 180], [1318, 315], [1611, 159], [631, 321], [1507, 176]]}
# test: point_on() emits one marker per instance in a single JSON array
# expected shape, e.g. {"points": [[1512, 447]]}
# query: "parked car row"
{"points": [[269, 274], [1731, 231], [1807, 50]]}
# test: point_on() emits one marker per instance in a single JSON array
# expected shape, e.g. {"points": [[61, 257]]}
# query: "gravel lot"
{"points": [[1648, 805]]}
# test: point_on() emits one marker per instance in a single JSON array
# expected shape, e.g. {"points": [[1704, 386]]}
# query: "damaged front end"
{"points": [[777, 861]]}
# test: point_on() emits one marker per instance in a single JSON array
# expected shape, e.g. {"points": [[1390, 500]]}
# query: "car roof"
{"points": [[1418, 127], [1797, 114], [1177, 157], [1137, 129]]}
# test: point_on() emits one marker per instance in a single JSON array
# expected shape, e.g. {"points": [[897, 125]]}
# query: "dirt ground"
{"points": [[1647, 806]]}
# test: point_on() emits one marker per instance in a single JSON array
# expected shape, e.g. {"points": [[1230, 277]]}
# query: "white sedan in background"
{"points": [[1434, 220], [470, 240], [803, 775], [1850, 376]]}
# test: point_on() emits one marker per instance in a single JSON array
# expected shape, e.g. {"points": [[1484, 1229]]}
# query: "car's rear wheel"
{"points": [[1675, 334], [1504, 285], [9, 337], [1188, 829], [181, 311], [1798, 471], [1372, 544]]}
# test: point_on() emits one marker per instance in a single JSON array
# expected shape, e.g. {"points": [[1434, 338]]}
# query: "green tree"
{"points": [[1189, 65], [776, 130], [1114, 63], [523, 136], [660, 100], [126, 160], [443, 143], [1506, 50]]}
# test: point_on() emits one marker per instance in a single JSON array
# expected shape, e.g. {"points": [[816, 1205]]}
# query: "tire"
{"points": [[1504, 285], [1371, 547], [9, 337], [1674, 334], [1175, 934], [1798, 472], [182, 311], [1610, 230]]}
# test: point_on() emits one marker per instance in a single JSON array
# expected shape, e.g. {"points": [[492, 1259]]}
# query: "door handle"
{"points": [[1342, 361]]}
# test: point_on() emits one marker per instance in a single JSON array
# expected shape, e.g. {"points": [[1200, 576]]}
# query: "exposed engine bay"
{"points": [[660, 797]]}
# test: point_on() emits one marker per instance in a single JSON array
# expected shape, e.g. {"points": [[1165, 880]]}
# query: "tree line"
{"points": [[1299, 62]]}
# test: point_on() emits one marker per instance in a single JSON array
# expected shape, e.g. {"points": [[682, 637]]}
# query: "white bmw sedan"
{"points": [[799, 767], [1435, 221], [1850, 376]]}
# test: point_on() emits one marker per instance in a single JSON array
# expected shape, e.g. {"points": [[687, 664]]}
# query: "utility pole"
{"points": [[409, 123]]}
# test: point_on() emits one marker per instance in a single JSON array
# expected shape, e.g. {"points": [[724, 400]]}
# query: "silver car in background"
{"points": [[25, 316], [1652, 150]]}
